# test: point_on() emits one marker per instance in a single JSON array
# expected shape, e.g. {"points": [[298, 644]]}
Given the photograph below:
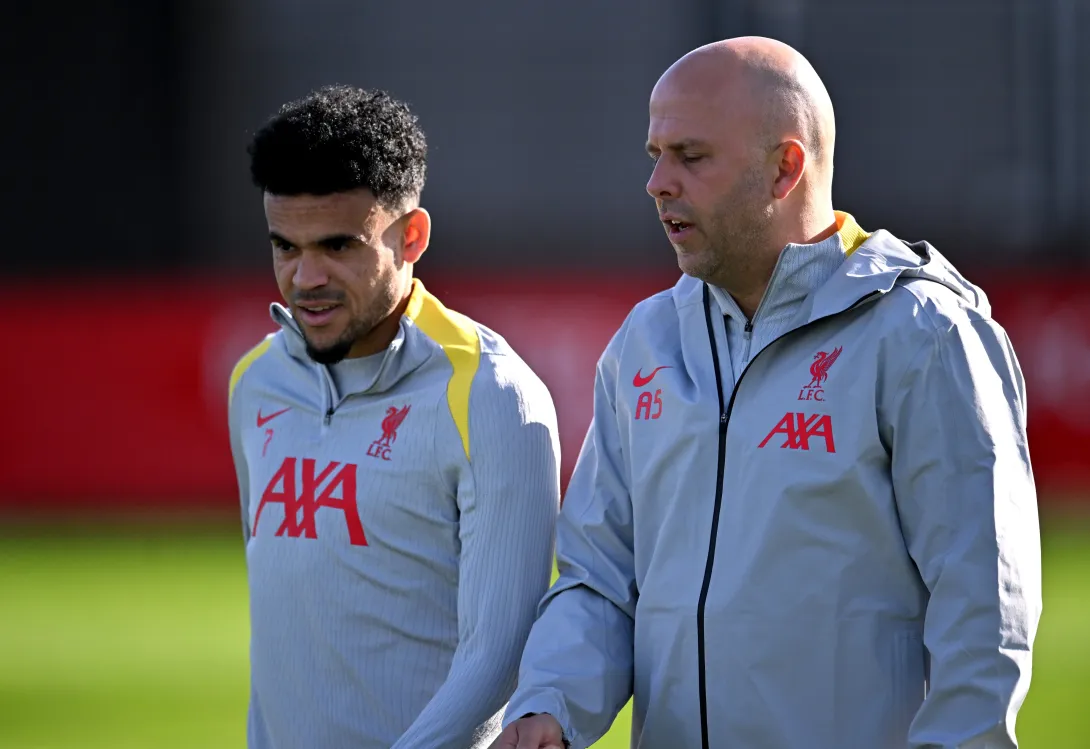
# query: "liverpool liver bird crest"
{"points": [[819, 370], [394, 417]]}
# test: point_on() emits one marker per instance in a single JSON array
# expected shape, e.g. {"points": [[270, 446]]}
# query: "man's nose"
{"points": [[662, 185], [310, 272]]}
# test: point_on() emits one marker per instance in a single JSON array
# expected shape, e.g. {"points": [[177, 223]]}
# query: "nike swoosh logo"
{"points": [[639, 380], [263, 420]]}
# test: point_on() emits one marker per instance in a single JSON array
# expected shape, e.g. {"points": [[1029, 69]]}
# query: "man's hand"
{"points": [[533, 732]]}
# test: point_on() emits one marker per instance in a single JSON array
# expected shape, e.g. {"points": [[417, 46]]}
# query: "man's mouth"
{"points": [[315, 314], [676, 228]]}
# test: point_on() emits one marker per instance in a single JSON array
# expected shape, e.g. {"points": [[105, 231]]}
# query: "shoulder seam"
{"points": [[244, 365], [968, 308], [460, 340]]}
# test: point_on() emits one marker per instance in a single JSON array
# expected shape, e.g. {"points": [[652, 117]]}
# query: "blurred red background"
{"points": [[121, 398]]}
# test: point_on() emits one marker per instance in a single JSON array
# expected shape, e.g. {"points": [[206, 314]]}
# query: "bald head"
{"points": [[742, 136], [761, 86]]}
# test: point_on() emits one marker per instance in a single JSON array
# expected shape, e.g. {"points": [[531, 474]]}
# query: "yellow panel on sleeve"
{"points": [[457, 335], [244, 363]]}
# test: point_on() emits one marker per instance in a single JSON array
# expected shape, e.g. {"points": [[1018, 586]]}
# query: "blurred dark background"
{"points": [[960, 122], [139, 271]]}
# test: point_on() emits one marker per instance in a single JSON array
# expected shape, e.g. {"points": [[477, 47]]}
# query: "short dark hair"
{"points": [[341, 138]]}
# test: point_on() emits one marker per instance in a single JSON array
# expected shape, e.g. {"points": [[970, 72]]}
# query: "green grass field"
{"points": [[136, 638]]}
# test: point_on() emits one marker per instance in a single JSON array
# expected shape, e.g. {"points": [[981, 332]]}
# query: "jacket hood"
{"points": [[873, 265], [879, 263]]}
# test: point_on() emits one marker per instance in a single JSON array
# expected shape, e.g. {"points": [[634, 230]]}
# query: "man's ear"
{"points": [[790, 160], [416, 234]]}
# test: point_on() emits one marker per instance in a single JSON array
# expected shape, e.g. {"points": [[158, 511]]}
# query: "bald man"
{"points": [[803, 516]]}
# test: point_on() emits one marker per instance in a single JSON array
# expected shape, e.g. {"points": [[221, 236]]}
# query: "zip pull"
{"points": [[748, 328], [722, 419], [328, 416]]}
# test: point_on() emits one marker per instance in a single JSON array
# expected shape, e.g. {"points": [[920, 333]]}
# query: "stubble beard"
{"points": [[338, 350], [358, 328], [736, 238]]}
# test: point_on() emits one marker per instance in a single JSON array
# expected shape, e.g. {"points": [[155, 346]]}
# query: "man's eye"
{"points": [[692, 158], [282, 246]]}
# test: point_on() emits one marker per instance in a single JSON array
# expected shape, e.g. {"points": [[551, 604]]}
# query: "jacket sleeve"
{"points": [[578, 662], [242, 472], [508, 499], [965, 493]]}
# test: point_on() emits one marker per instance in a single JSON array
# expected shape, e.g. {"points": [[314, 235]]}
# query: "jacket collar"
{"points": [[872, 266], [407, 352]]}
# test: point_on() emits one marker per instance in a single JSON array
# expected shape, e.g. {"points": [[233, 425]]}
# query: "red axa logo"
{"points": [[819, 373], [798, 429], [333, 488], [380, 448]]}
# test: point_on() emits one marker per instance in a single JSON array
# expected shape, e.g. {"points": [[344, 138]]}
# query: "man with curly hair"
{"points": [[397, 462]]}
